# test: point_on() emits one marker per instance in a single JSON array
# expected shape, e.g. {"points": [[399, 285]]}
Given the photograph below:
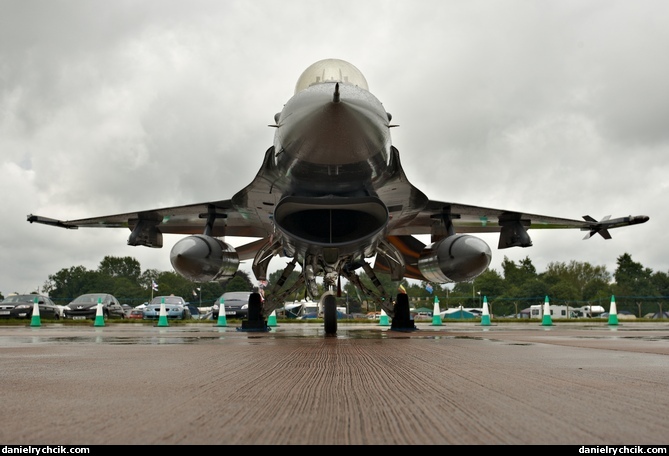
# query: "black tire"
{"points": [[255, 307], [402, 318], [330, 314]]}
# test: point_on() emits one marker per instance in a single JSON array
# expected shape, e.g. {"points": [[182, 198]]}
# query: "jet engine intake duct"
{"points": [[349, 224], [202, 258], [457, 258]]}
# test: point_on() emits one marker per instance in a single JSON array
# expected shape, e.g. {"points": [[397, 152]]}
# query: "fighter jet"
{"points": [[331, 196]]}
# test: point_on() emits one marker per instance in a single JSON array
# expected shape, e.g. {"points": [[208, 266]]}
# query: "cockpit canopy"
{"points": [[331, 70]]}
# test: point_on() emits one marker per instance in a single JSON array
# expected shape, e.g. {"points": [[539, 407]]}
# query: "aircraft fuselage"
{"points": [[326, 147]]}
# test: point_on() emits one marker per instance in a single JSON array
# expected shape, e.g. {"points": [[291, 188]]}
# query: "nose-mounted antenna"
{"points": [[335, 97]]}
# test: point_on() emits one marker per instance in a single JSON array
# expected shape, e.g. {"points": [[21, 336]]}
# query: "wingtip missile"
{"points": [[602, 227]]}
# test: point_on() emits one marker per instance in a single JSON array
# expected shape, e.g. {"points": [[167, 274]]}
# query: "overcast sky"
{"points": [[550, 107]]}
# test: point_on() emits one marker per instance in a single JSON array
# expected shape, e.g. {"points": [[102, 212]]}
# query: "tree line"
{"points": [[518, 285]]}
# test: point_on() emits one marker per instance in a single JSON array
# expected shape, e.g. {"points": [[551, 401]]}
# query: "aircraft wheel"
{"points": [[255, 307], [330, 314]]}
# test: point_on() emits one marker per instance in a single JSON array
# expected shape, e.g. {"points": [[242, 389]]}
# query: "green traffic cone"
{"points": [[436, 313], [162, 318], [99, 315], [383, 319], [222, 321], [613, 312], [271, 321], [35, 320], [485, 317], [547, 320]]}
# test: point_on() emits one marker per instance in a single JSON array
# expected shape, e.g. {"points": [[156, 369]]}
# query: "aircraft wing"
{"points": [[430, 220], [477, 219], [148, 226], [442, 219], [247, 214]]}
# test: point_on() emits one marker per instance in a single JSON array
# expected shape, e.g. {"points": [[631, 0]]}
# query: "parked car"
{"points": [[86, 306], [136, 314], [21, 306], [176, 308], [423, 316], [61, 311], [236, 304]]}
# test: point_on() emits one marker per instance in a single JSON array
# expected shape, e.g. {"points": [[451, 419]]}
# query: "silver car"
{"points": [[176, 308]]}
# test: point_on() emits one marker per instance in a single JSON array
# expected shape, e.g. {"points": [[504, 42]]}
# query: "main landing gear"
{"points": [[256, 321], [401, 318]]}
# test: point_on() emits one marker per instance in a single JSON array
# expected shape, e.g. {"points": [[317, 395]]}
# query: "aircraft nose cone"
{"points": [[316, 129]]}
